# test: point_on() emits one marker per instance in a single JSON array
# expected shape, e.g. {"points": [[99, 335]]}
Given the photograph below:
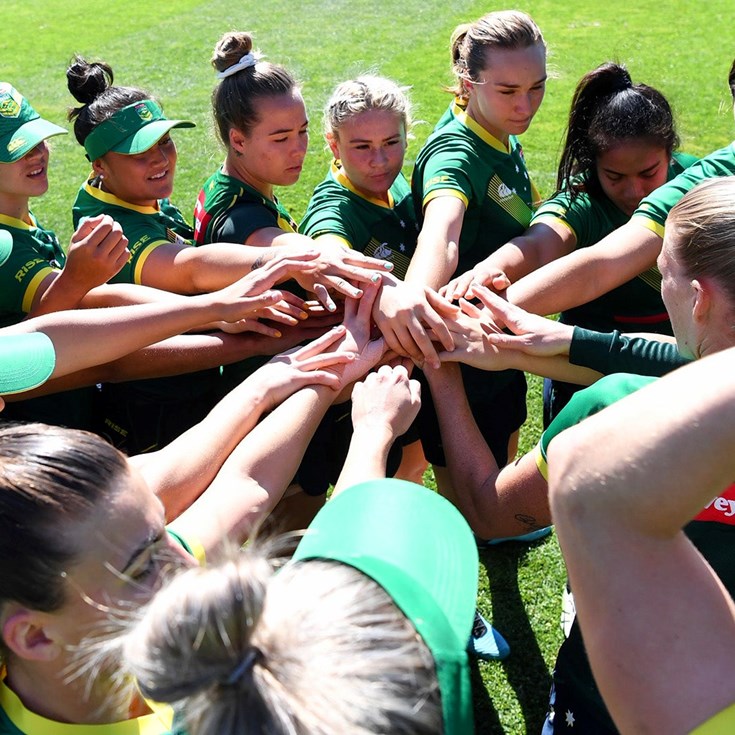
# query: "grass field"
{"points": [[684, 49]]}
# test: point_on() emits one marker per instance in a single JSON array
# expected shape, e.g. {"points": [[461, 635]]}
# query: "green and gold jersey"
{"points": [[380, 230], [633, 306], [461, 159], [36, 254], [15, 719], [712, 532], [145, 227], [655, 208], [229, 210]]}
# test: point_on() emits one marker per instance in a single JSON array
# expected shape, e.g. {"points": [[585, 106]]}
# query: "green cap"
{"points": [[21, 127], [6, 246], [420, 550], [133, 129], [26, 361]]}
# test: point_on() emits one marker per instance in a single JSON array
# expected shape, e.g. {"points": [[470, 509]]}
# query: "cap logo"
{"points": [[10, 101], [144, 113], [16, 143]]}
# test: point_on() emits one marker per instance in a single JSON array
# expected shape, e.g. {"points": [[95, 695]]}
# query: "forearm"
{"points": [[587, 273], [434, 261], [366, 458], [255, 476], [58, 292], [181, 471]]}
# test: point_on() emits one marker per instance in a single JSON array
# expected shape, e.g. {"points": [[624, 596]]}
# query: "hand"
{"points": [[290, 371], [483, 274], [357, 323], [409, 315], [386, 400], [97, 251], [337, 268], [531, 334]]}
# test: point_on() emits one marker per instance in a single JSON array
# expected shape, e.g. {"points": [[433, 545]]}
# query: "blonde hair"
{"points": [[504, 29], [317, 648], [701, 231], [366, 92]]}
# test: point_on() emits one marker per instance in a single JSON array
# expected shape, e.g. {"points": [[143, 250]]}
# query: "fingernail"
{"points": [[303, 315], [277, 334], [376, 277], [331, 307], [387, 265]]}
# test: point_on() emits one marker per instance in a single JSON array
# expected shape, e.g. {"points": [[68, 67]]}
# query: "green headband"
{"points": [[133, 129], [420, 550]]}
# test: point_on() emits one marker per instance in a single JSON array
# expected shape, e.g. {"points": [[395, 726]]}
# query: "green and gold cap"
{"points": [[133, 129], [420, 550], [21, 127]]}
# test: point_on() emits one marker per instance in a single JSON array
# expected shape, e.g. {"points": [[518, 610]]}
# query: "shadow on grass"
{"points": [[525, 669]]}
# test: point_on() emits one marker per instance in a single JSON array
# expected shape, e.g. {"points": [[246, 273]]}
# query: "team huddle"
{"points": [[179, 382]]}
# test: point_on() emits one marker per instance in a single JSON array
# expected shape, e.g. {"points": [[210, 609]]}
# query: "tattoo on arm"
{"points": [[257, 263]]}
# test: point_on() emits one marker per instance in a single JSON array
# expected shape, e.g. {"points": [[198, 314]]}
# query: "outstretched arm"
{"points": [[496, 502], [645, 597], [588, 272], [384, 406], [541, 243]]}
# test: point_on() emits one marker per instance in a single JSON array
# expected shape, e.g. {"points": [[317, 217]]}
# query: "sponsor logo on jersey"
{"points": [[721, 509], [202, 218], [10, 101]]}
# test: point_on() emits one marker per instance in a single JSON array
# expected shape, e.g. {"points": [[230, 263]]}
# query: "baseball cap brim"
{"points": [[418, 547], [148, 136], [26, 361], [27, 137]]}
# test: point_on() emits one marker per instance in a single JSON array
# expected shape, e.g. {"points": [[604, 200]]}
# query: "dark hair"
{"points": [[504, 29], [701, 228], [731, 80], [91, 84], [234, 99], [47, 474], [608, 109]]}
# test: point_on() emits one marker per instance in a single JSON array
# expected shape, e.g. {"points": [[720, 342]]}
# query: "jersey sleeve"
{"points": [[585, 403], [141, 243], [20, 276], [613, 352], [324, 217], [445, 173], [654, 209], [239, 222]]}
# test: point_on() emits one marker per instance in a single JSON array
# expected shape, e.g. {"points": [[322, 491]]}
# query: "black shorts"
{"points": [[497, 401], [327, 451]]}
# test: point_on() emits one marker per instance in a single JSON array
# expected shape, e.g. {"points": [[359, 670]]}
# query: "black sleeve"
{"points": [[612, 352]]}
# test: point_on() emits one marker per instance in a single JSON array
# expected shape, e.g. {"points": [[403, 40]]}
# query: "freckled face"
{"points": [[509, 90], [371, 146], [272, 153]]}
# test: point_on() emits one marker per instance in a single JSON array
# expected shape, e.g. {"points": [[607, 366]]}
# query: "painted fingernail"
{"points": [[331, 307], [277, 334], [375, 278], [387, 265], [303, 315]]}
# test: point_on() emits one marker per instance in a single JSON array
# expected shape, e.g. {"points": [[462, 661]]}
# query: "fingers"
{"points": [[342, 285], [320, 344], [320, 291], [457, 287]]}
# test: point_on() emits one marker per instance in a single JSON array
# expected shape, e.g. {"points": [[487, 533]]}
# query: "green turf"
{"points": [[685, 49]]}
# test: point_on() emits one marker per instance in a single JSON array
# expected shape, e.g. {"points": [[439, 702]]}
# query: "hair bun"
{"points": [[86, 81], [231, 48]]}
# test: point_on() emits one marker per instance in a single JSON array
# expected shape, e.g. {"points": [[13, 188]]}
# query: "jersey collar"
{"points": [[479, 131], [107, 198]]}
